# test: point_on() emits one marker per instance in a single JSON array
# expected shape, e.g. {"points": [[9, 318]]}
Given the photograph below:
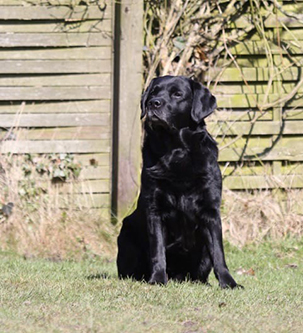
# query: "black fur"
{"points": [[175, 232]]}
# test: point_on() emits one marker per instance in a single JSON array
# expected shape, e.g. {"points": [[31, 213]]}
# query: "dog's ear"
{"points": [[204, 103], [144, 98]]}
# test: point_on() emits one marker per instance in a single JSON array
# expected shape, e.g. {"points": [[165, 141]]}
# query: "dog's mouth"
{"points": [[156, 123], [153, 119]]}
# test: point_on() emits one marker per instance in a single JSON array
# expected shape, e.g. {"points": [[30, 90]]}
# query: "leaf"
{"points": [[22, 192], [242, 271], [58, 173], [179, 42], [93, 162], [222, 305], [7, 209], [62, 156], [291, 266]]}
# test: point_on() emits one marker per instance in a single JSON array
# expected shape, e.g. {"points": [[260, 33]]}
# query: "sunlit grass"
{"points": [[86, 296]]}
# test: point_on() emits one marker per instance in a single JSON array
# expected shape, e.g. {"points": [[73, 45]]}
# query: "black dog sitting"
{"points": [[175, 232]]}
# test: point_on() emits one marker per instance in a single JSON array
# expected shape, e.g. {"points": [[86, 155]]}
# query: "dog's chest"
{"points": [[188, 202], [180, 216], [179, 167]]}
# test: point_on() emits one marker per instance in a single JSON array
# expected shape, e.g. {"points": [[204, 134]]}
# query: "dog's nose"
{"points": [[154, 102]]}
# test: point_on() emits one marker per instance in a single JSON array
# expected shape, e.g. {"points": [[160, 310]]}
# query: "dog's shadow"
{"points": [[99, 276]]}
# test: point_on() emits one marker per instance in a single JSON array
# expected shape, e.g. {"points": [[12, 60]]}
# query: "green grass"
{"points": [[67, 296]]}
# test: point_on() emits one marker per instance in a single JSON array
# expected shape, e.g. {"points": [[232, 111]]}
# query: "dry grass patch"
{"points": [[255, 216], [43, 213], [51, 219]]}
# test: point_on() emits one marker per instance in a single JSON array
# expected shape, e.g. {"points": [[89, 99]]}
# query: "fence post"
{"points": [[127, 126]]}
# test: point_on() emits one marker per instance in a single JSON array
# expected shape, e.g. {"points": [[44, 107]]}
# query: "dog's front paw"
{"points": [[159, 277], [227, 282]]}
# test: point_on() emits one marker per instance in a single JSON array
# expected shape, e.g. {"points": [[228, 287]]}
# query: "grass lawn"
{"points": [[44, 296]]}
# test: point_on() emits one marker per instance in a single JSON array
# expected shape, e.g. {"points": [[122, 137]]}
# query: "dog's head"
{"points": [[174, 102]]}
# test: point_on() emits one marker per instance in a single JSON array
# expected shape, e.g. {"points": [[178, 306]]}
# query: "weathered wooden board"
{"points": [[259, 153], [98, 172], [259, 47], [247, 142], [281, 21], [293, 35], [70, 53], [58, 146], [258, 128], [256, 100], [292, 169], [53, 13], [270, 21], [273, 20], [70, 3], [240, 88], [57, 80], [254, 74], [80, 186], [246, 170], [102, 106], [54, 66], [52, 120], [244, 115], [263, 182], [280, 61], [90, 26], [266, 143], [93, 159], [296, 114], [54, 39], [86, 160], [254, 61], [295, 102], [59, 133], [82, 201], [91, 180], [53, 93]]}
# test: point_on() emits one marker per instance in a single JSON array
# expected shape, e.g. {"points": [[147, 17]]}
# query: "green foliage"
{"points": [[55, 166], [35, 173]]}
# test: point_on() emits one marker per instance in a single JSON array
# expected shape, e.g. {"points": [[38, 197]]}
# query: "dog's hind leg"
{"points": [[131, 259]]}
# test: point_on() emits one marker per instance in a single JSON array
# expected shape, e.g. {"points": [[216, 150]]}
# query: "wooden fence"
{"points": [[63, 85], [259, 87], [56, 78]]}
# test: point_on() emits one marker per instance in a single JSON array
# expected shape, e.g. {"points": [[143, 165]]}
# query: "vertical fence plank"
{"points": [[128, 128]]}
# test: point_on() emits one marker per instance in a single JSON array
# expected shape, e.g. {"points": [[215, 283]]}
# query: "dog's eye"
{"points": [[177, 94]]}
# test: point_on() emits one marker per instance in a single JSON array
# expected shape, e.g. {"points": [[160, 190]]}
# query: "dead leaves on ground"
{"points": [[242, 271]]}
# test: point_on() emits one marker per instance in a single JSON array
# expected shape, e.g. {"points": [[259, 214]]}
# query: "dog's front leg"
{"points": [[157, 250], [216, 250]]}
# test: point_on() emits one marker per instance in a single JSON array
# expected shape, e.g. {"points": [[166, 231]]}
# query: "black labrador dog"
{"points": [[175, 232]]}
